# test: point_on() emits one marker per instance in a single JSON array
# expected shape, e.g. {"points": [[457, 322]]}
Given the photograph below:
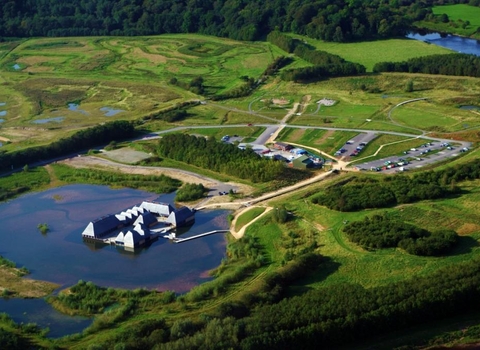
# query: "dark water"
{"points": [[453, 42], [62, 257], [40, 312]]}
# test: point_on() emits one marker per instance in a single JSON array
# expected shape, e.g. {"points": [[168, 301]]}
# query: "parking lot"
{"points": [[414, 158], [354, 146]]}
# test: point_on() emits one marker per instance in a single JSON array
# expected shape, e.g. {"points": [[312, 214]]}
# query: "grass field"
{"points": [[327, 141], [458, 15], [352, 264], [370, 52], [248, 216], [127, 75]]}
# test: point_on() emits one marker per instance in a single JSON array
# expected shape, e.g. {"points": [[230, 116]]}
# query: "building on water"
{"points": [[139, 219]]}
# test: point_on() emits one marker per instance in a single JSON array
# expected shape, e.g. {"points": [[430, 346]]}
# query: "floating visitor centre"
{"points": [[139, 222]]}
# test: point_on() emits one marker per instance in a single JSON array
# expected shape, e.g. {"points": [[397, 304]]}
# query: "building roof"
{"points": [[181, 216], [302, 161], [100, 226], [161, 209], [146, 218]]}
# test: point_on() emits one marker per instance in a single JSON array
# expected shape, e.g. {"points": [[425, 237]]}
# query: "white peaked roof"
{"points": [[146, 218], [142, 230], [162, 209], [120, 238], [133, 239]]}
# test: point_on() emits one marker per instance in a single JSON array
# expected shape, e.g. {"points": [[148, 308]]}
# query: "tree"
{"points": [[409, 86], [26, 168]]}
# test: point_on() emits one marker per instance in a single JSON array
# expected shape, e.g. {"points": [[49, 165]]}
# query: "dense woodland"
{"points": [[224, 158], [453, 64], [331, 20]]}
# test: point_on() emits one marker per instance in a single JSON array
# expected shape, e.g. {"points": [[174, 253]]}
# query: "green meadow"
{"points": [[463, 20], [349, 263], [370, 52]]}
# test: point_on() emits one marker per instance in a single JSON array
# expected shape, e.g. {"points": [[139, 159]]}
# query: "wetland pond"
{"points": [[61, 256]]}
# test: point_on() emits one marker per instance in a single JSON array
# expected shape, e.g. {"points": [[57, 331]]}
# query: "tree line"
{"points": [[383, 231], [457, 64], [224, 158], [330, 20], [325, 64], [363, 193], [81, 140]]}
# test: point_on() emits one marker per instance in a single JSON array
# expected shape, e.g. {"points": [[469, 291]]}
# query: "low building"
{"points": [[282, 146], [302, 162]]}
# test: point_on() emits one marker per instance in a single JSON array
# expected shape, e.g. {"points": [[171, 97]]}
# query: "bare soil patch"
{"points": [[280, 101], [154, 58], [126, 155], [326, 102], [468, 228]]}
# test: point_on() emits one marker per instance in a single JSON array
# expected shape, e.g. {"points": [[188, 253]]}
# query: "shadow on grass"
{"points": [[326, 268], [464, 245]]}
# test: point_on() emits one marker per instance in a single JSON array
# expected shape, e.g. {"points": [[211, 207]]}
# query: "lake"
{"points": [[62, 257], [453, 42]]}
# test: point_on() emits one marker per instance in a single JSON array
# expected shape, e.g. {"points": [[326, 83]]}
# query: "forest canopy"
{"points": [[331, 20]]}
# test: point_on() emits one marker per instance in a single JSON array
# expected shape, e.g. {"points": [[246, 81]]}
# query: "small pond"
{"points": [[74, 108], [3, 113], [470, 108], [48, 120], [3, 103], [110, 112], [16, 66], [40, 312], [2, 120], [453, 42]]}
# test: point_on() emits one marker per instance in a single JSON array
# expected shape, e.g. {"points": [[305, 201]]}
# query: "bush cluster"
{"points": [[382, 231], [190, 192]]}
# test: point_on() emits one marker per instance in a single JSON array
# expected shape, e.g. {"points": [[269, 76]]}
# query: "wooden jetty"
{"points": [[181, 240]]}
